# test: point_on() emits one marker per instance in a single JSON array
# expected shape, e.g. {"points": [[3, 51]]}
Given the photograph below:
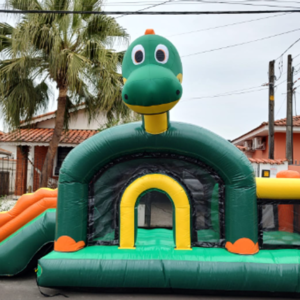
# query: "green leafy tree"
{"points": [[74, 51]]}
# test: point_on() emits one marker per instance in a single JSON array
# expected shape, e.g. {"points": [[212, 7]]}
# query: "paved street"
{"points": [[25, 288]]}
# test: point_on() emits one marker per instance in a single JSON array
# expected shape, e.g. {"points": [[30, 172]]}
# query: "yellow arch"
{"points": [[181, 205]]}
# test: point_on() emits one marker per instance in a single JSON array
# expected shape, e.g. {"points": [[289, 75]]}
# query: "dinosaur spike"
{"points": [[149, 31]]}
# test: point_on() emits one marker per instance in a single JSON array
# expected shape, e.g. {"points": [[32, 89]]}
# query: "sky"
{"points": [[206, 76]]}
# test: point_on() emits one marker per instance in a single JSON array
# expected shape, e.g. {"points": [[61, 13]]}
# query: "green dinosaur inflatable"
{"points": [[98, 242]]}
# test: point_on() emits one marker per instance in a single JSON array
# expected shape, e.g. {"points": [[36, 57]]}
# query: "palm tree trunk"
{"points": [[59, 124]]}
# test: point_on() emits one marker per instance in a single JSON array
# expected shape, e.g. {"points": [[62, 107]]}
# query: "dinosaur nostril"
{"points": [[177, 92], [126, 96]]}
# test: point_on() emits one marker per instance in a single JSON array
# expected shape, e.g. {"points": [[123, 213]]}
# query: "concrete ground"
{"points": [[6, 204], [24, 288]]}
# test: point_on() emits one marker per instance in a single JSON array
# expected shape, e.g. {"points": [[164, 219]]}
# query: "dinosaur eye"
{"points": [[138, 54], [161, 54]]}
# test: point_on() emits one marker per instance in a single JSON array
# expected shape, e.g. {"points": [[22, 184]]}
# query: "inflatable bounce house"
{"points": [[230, 231]]}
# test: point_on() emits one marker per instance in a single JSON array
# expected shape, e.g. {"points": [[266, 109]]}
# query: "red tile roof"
{"points": [[263, 160], [44, 135], [242, 148], [267, 161], [282, 122]]}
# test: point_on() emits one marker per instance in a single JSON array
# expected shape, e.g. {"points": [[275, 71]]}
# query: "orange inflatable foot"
{"points": [[242, 246], [67, 244]]}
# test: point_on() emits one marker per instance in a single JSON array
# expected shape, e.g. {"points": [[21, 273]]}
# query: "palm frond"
{"points": [[6, 32], [6, 29], [74, 51], [105, 29], [88, 5], [24, 4], [23, 100]]}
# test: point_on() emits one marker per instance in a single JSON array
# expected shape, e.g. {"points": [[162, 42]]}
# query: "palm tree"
{"points": [[74, 51]]}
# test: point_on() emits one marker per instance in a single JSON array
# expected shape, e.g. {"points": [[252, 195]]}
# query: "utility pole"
{"points": [[289, 112], [271, 108]]}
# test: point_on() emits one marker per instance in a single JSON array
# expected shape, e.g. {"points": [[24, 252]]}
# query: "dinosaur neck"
{"points": [[156, 124]]}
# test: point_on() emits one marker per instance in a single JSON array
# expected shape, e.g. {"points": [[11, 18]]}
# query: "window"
{"points": [[265, 173], [61, 154]]}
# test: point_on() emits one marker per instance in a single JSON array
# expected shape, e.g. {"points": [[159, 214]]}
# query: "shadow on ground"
{"points": [[24, 287]]}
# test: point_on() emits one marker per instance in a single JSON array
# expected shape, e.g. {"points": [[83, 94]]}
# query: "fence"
{"points": [[7, 177], [11, 180]]}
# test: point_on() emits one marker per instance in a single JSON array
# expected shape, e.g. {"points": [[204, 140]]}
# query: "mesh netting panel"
{"points": [[279, 223], [203, 187]]}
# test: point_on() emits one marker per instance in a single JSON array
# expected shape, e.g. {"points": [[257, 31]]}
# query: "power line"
{"points": [[227, 25], [296, 56], [137, 3], [181, 2], [278, 111], [240, 44], [236, 92], [280, 1], [280, 66], [295, 103], [283, 81], [238, 3], [253, 89], [288, 48], [280, 82], [248, 4], [235, 12], [155, 5], [296, 71]]}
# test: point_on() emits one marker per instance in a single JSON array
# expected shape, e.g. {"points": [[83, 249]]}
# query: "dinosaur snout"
{"points": [[151, 86]]}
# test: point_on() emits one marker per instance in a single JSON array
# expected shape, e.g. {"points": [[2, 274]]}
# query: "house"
{"points": [[255, 146], [29, 146]]}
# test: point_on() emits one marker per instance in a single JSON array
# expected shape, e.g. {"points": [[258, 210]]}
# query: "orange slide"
{"points": [[28, 207]]}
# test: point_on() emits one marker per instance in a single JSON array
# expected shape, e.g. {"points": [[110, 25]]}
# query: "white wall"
{"points": [[274, 169], [79, 121]]}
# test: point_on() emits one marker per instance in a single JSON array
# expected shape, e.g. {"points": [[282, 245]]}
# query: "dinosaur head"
{"points": [[152, 75]]}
